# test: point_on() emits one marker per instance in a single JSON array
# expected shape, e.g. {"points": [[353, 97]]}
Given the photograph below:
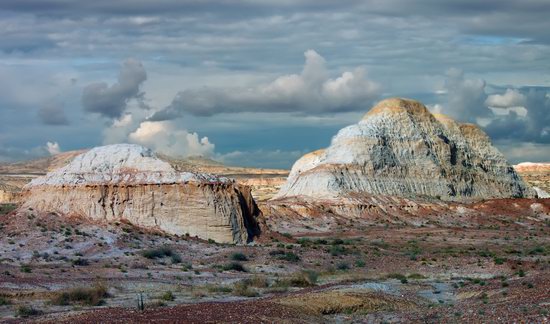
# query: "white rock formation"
{"points": [[129, 182], [532, 167], [400, 149]]}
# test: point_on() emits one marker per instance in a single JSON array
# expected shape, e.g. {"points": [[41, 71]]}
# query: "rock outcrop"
{"points": [[128, 182], [8, 194], [537, 175], [400, 149]]}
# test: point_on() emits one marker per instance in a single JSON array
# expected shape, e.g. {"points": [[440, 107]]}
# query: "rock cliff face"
{"points": [[129, 182], [400, 149], [8, 194]]}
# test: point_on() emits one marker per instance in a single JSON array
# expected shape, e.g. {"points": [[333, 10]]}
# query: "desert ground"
{"points": [[59, 270]]}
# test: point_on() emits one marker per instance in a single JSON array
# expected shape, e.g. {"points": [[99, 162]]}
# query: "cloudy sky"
{"points": [[260, 83]]}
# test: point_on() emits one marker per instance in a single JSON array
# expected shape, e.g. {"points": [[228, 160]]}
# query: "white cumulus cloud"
{"points": [[53, 148], [167, 138], [311, 91]]}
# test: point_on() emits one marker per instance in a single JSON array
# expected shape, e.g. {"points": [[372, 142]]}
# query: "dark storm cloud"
{"points": [[111, 101], [53, 114]]}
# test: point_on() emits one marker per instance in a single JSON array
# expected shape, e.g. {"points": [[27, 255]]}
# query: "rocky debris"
{"points": [[400, 149], [128, 182]]}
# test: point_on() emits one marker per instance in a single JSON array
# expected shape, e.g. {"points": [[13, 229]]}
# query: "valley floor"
{"points": [[54, 270]]}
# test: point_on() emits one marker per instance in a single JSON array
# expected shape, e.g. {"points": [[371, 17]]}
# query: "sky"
{"points": [[260, 83]]}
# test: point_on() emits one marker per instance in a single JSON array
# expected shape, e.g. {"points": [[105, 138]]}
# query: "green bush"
{"points": [[343, 266], [26, 311], [360, 263], [168, 296], [80, 262], [336, 250], [238, 256], [25, 268], [234, 266], [157, 253], [4, 301], [7, 208], [289, 256], [175, 258]]}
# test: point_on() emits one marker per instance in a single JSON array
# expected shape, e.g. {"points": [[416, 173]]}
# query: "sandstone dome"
{"points": [[401, 149], [126, 181], [118, 164]]}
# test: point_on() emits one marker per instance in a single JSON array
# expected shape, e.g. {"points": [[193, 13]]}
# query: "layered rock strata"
{"points": [[400, 149], [8, 194], [128, 182]]}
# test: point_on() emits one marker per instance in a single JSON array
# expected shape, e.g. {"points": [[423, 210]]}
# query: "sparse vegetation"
{"points": [[167, 296], [27, 311], [162, 252], [7, 208], [304, 278], [243, 289], [238, 256], [25, 268], [81, 296], [234, 266]]}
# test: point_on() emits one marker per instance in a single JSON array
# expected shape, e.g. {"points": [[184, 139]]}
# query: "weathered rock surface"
{"points": [[400, 149], [537, 175], [128, 182], [8, 194]]}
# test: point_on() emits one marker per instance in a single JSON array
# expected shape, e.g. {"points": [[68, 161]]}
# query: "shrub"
{"points": [[336, 250], [360, 263], [238, 256], [304, 278], [168, 296], [4, 301], [175, 258], [26, 268], [257, 281], [26, 311], [342, 266], [234, 266], [416, 276], [498, 260], [80, 262], [157, 253], [289, 256], [219, 289], [83, 296], [241, 288], [7, 208], [397, 276]]}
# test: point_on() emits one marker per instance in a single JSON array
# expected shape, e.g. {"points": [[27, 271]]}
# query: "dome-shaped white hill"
{"points": [[129, 182], [118, 164], [400, 149]]}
